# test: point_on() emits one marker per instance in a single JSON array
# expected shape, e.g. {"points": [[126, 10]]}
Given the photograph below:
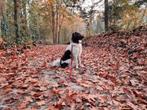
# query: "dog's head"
{"points": [[77, 37]]}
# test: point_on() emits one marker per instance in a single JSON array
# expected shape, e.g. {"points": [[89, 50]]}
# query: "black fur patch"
{"points": [[64, 65], [66, 56]]}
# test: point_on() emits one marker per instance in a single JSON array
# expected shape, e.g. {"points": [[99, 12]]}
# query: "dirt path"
{"points": [[106, 82]]}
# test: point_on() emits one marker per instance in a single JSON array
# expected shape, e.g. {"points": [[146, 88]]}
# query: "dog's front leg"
{"points": [[79, 60], [76, 62]]}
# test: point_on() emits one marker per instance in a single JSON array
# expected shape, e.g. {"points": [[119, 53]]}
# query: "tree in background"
{"points": [[1, 13], [24, 32], [125, 14], [106, 15], [87, 13], [2, 17], [53, 21], [8, 29], [16, 17], [50, 18], [35, 20]]}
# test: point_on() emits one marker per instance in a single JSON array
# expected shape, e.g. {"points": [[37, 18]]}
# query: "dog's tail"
{"points": [[55, 63]]}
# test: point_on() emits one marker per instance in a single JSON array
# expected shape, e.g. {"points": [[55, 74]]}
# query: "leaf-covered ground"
{"points": [[114, 76]]}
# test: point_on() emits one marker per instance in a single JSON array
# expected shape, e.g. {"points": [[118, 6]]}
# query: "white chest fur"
{"points": [[76, 49]]}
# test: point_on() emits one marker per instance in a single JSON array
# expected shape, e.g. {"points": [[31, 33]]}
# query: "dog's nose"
{"points": [[80, 41]]}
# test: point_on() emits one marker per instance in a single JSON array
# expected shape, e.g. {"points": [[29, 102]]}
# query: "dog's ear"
{"points": [[74, 38], [74, 34]]}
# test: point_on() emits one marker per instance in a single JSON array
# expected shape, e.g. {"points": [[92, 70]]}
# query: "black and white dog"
{"points": [[72, 52]]}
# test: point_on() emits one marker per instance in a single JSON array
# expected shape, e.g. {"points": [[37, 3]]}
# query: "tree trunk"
{"points": [[16, 5], [60, 25], [56, 23], [53, 24], [106, 16], [24, 19], [1, 14]]}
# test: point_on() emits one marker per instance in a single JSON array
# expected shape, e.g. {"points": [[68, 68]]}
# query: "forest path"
{"points": [[106, 82]]}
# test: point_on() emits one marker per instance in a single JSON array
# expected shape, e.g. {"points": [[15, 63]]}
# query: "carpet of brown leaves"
{"points": [[114, 76]]}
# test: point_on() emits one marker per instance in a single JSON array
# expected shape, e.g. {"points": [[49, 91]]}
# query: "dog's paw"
{"points": [[81, 65], [77, 67], [77, 70], [50, 64]]}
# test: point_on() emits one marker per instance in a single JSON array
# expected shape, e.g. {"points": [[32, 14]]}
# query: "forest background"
{"points": [[53, 21]]}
